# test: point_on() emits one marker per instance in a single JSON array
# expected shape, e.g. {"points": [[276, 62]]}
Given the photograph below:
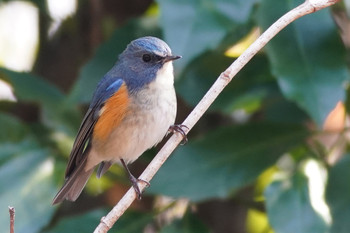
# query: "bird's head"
{"points": [[143, 59]]}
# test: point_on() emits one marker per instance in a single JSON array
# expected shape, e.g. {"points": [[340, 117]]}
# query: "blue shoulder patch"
{"points": [[105, 89], [115, 85]]}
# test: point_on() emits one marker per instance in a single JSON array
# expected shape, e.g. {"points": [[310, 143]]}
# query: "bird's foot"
{"points": [[179, 129], [134, 181]]}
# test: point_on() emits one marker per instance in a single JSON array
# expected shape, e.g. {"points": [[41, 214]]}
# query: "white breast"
{"points": [[152, 111]]}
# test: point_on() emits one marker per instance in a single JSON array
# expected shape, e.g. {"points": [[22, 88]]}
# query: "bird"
{"points": [[132, 109]]}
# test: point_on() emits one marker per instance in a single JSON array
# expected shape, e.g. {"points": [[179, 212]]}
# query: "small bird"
{"points": [[132, 109]]}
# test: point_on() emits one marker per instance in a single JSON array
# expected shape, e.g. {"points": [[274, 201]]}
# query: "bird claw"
{"points": [[179, 129], [134, 181]]}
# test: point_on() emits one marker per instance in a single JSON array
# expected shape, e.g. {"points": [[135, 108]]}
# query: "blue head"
{"points": [[138, 66], [140, 62]]}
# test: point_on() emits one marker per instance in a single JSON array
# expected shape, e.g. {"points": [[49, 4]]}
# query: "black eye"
{"points": [[146, 58]]}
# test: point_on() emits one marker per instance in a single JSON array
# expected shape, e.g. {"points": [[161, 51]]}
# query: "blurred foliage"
{"points": [[261, 160]]}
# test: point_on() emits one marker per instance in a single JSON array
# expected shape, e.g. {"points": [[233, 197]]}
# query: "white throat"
{"points": [[165, 76]]}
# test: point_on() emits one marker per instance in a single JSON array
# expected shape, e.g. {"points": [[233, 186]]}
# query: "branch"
{"points": [[309, 6], [12, 219]]}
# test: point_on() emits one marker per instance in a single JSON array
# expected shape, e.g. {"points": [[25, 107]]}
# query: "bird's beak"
{"points": [[171, 58]]}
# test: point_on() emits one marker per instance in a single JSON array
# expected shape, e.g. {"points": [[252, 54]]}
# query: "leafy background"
{"points": [[270, 155]]}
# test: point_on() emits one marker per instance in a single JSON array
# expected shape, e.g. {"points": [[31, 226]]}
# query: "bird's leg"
{"points": [[179, 129], [134, 180]]}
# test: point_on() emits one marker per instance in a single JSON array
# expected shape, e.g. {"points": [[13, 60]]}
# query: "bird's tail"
{"points": [[74, 184]]}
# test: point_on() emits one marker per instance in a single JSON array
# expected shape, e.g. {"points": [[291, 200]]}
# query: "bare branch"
{"points": [[309, 6], [12, 219]]}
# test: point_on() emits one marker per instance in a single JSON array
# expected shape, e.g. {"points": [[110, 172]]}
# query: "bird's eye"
{"points": [[146, 58]]}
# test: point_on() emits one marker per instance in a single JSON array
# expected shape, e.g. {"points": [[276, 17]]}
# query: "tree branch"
{"points": [[309, 6], [12, 219]]}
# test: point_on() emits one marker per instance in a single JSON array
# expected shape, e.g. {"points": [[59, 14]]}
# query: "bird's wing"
{"points": [[102, 97]]}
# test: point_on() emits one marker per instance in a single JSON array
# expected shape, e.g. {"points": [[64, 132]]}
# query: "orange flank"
{"points": [[112, 113]]}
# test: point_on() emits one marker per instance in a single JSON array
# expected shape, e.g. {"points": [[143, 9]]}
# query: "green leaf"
{"points": [[130, 222], [27, 185], [307, 58], [9, 150], [106, 56], [56, 113], [11, 128], [280, 110], [225, 160], [65, 118], [202, 25], [15, 138], [338, 195], [289, 208], [246, 91], [188, 224], [81, 223], [30, 88]]}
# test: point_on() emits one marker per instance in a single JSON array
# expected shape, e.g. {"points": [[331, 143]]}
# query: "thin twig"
{"points": [[12, 219], [309, 6]]}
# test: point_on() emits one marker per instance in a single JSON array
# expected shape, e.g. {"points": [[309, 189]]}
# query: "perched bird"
{"points": [[131, 111]]}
